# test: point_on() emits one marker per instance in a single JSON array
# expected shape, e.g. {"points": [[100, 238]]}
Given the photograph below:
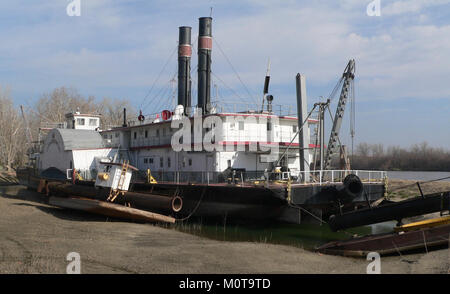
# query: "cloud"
{"points": [[410, 6], [126, 44]]}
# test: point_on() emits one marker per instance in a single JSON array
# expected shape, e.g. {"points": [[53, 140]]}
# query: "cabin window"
{"points": [[184, 162], [92, 122], [80, 121], [146, 160], [135, 135], [229, 162], [105, 136], [294, 129], [161, 162], [241, 126], [190, 161], [232, 126], [71, 164], [150, 160], [157, 133], [146, 133], [269, 126], [117, 135], [168, 161]]}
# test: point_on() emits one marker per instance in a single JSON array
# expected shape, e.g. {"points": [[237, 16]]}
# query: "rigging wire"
{"points": [[232, 67], [228, 87], [161, 96], [162, 91], [159, 75]]}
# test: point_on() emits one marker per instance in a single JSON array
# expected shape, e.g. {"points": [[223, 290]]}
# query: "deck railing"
{"points": [[319, 177]]}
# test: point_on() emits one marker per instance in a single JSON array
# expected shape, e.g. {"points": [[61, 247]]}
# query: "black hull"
{"points": [[231, 202]]}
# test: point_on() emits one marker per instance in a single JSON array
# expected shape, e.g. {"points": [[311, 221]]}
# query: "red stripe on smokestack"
{"points": [[184, 50], [205, 43]]}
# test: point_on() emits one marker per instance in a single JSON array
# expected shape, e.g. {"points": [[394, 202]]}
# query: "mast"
{"points": [[266, 85]]}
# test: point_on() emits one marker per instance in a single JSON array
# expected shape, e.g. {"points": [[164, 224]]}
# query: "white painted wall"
{"points": [[85, 159], [83, 122]]}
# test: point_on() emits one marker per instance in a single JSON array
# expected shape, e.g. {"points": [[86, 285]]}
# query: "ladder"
{"points": [[113, 193]]}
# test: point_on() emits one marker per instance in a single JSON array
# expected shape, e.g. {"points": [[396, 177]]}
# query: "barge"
{"points": [[224, 160]]}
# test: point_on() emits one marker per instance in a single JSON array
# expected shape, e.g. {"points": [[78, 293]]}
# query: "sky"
{"points": [[126, 49]]}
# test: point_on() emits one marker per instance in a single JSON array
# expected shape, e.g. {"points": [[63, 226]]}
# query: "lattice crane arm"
{"points": [[348, 77]]}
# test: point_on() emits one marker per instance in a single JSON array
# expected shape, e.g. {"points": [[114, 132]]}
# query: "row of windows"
{"points": [[150, 160], [146, 133], [232, 126], [269, 126], [93, 122]]}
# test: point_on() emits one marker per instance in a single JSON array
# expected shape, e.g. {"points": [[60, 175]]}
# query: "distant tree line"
{"points": [[418, 157], [49, 110]]}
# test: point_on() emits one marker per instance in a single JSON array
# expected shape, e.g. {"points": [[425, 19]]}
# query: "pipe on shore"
{"points": [[145, 201], [393, 211]]}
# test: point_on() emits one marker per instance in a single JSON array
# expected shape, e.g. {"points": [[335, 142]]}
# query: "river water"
{"points": [[418, 175]]}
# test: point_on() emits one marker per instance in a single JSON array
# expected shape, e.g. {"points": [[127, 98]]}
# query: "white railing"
{"points": [[318, 177], [334, 176]]}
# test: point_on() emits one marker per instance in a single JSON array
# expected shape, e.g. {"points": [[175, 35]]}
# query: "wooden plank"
{"points": [[109, 209]]}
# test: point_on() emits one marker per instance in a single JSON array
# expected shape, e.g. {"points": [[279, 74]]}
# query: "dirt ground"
{"points": [[403, 189], [36, 238]]}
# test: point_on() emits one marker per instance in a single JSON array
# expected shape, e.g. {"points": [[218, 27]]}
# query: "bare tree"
{"points": [[112, 111], [12, 136]]}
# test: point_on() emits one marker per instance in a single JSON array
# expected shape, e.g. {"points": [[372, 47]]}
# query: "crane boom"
{"points": [[348, 78]]}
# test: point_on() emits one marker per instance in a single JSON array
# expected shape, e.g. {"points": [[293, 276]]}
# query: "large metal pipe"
{"points": [[204, 63], [184, 68], [392, 211], [150, 202]]}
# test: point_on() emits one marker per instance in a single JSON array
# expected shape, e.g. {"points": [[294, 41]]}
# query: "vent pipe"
{"points": [[184, 68], [204, 64], [124, 118]]}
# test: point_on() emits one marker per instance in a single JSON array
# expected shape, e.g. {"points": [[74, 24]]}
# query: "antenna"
{"points": [[210, 13]]}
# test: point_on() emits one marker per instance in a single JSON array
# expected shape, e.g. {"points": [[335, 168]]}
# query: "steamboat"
{"points": [[221, 161]]}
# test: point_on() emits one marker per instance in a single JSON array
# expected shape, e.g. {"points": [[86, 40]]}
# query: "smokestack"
{"points": [[204, 63], [124, 118], [184, 68]]}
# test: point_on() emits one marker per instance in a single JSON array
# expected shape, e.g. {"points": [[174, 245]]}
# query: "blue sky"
{"points": [[117, 49]]}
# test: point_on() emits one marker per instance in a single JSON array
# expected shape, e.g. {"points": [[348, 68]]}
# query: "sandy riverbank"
{"points": [[36, 238], [403, 189]]}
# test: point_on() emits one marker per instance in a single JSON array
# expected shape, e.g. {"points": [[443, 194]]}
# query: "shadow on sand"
{"points": [[40, 202]]}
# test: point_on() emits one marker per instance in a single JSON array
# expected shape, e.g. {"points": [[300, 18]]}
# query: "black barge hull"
{"points": [[238, 202]]}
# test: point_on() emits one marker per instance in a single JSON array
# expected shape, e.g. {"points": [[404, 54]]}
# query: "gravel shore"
{"points": [[36, 238]]}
